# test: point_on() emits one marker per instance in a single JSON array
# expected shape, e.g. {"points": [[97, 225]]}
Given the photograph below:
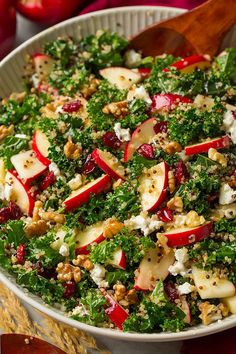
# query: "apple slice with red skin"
{"points": [[145, 72], [119, 259], [109, 164], [123, 78], [153, 185], [43, 65], [115, 312], [40, 145], [91, 234], [165, 101], [48, 11], [189, 64], [22, 344], [20, 192], [186, 235], [153, 267], [217, 143], [82, 195], [143, 134], [28, 165]]}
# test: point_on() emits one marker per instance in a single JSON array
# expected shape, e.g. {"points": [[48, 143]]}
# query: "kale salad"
{"points": [[118, 184]]}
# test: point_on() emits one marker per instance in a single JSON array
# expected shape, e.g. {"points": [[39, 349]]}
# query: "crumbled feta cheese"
{"points": [[98, 275], [181, 256], [8, 191], [139, 93], [79, 310], [54, 168], [122, 134], [132, 58], [185, 288], [146, 224], [227, 194], [229, 125], [75, 182], [21, 136], [64, 250]]}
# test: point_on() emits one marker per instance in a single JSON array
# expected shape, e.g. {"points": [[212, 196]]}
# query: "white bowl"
{"points": [[126, 21]]}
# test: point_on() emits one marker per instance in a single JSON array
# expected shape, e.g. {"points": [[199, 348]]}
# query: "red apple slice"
{"points": [[145, 72], [91, 234], [43, 65], [165, 101], [153, 185], [123, 78], [204, 281], [109, 164], [40, 145], [119, 259], [143, 134], [218, 143], [189, 64], [115, 312], [20, 193], [82, 195], [185, 236], [153, 267], [27, 165]]}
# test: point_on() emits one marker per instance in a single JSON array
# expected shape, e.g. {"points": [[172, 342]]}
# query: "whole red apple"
{"points": [[48, 11], [7, 26]]}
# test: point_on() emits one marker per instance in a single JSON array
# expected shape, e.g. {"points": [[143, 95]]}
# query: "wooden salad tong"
{"points": [[199, 31]]}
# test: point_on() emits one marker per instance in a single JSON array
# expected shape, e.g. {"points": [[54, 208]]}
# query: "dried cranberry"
{"points": [[70, 287], [146, 150], [213, 197], [48, 273], [165, 214], [234, 173], [160, 127], [234, 114], [89, 165], [11, 212], [181, 172], [171, 291], [20, 254], [47, 181], [72, 106], [111, 140]]}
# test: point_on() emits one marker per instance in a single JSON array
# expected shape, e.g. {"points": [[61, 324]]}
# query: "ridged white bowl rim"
{"points": [[34, 300]]}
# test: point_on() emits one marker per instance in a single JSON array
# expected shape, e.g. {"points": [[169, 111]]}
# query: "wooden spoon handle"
{"points": [[214, 17]]}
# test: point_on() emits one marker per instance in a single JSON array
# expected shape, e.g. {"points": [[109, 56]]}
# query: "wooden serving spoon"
{"points": [[22, 344], [198, 31]]}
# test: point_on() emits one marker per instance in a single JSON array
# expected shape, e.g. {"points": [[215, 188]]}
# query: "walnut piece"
{"points": [[53, 216], [171, 181], [175, 204], [5, 131], [211, 313], [120, 292], [36, 228], [118, 109], [193, 219], [173, 147], [37, 206], [71, 150], [112, 227], [214, 155], [89, 89], [66, 272], [83, 261]]}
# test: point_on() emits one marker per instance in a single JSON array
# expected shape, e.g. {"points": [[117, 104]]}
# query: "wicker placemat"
{"points": [[14, 318]]}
